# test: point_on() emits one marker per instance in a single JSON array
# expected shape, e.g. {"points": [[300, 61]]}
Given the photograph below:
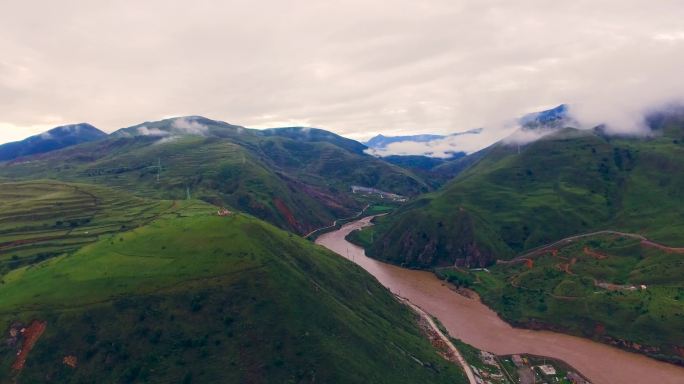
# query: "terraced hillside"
{"points": [[617, 289], [568, 183], [198, 298], [296, 178], [42, 219]]}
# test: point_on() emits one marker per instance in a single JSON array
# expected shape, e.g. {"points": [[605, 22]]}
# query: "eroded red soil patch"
{"points": [[597, 255], [287, 214], [16, 243], [30, 334], [567, 267]]}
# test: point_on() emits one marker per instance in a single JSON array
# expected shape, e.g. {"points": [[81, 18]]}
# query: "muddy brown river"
{"points": [[476, 324]]}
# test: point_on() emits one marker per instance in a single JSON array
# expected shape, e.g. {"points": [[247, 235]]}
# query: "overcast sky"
{"points": [[357, 68]]}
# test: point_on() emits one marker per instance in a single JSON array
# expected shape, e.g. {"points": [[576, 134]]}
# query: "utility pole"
{"points": [[158, 168]]}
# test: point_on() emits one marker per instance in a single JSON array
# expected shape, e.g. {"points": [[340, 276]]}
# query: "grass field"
{"points": [[192, 297], [42, 219]]}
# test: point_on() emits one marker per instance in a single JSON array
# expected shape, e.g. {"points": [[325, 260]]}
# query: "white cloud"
{"points": [[670, 36], [166, 140], [189, 126], [447, 147], [144, 131], [10, 132], [354, 67], [524, 136]]}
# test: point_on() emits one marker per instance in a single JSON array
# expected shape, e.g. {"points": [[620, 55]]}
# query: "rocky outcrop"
{"points": [[419, 241]]}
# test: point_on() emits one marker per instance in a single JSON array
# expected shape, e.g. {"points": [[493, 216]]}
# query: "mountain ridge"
{"points": [[54, 139], [297, 178]]}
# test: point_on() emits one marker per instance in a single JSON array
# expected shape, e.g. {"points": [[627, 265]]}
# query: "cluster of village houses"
{"points": [[382, 194], [526, 371]]}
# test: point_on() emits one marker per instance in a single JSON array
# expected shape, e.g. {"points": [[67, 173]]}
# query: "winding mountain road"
{"points": [[540, 250], [334, 224]]}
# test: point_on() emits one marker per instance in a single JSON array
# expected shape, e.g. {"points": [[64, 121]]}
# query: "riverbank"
{"points": [[474, 323], [555, 288], [451, 352], [368, 210]]}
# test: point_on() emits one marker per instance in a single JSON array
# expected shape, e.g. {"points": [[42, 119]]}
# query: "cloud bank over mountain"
{"points": [[435, 145], [356, 68]]}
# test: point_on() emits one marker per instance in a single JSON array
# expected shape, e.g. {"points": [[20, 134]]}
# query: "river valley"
{"points": [[474, 323]]}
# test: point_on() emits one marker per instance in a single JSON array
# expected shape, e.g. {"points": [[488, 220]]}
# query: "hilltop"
{"points": [[54, 139], [194, 297]]}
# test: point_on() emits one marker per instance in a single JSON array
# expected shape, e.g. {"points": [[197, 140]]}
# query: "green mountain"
{"points": [[193, 297], [435, 171], [54, 139], [620, 282], [516, 198], [296, 178]]}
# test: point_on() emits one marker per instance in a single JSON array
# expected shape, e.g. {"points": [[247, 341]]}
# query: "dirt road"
{"points": [[464, 364]]}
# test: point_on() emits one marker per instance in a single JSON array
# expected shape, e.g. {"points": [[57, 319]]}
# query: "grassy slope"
{"points": [[215, 170], [561, 291], [570, 183], [560, 186], [293, 183], [193, 297], [41, 219]]}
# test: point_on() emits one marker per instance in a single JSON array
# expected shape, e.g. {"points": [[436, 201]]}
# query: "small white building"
{"points": [[546, 369]]}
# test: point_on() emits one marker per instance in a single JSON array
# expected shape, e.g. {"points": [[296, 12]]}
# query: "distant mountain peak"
{"points": [[192, 125], [74, 128], [54, 139], [381, 141], [313, 135], [428, 145], [553, 117], [534, 126]]}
